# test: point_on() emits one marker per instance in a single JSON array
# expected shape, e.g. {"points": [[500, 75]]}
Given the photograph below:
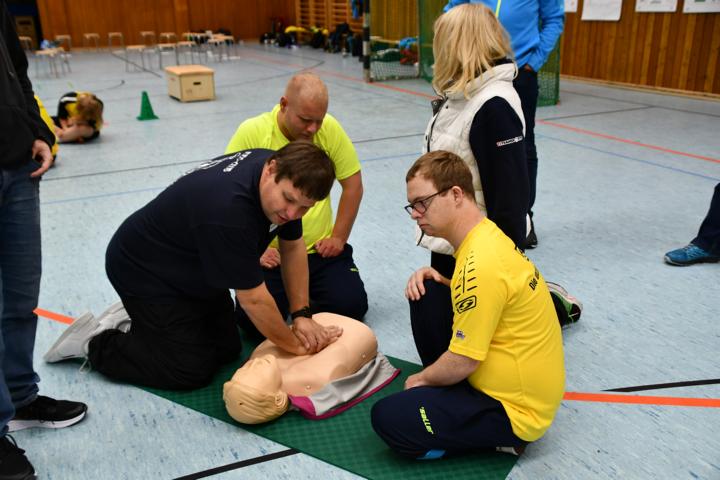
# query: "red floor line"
{"points": [[578, 396], [631, 142], [643, 399]]}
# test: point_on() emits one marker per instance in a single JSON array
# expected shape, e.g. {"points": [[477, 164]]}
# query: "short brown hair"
{"points": [[308, 168], [90, 108], [445, 170]]}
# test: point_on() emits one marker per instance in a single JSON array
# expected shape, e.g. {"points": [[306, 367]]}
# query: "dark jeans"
{"points": [[20, 268], [709, 234], [335, 287], [431, 422], [177, 345], [526, 85]]}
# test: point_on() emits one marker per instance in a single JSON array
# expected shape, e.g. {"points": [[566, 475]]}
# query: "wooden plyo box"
{"points": [[190, 83]]}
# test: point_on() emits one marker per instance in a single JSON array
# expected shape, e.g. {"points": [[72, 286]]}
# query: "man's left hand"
{"points": [[314, 336], [42, 150], [330, 247], [414, 381]]}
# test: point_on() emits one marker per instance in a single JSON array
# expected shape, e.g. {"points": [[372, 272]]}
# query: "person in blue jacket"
{"points": [[534, 27]]}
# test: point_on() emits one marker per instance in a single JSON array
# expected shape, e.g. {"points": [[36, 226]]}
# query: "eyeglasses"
{"points": [[421, 206]]}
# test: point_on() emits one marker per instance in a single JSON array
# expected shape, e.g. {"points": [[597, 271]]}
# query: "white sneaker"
{"points": [[73, 343], [115, 317]]}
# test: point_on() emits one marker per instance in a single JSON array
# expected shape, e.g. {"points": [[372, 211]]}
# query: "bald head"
{"points": [[308, 87], [303, 107]]}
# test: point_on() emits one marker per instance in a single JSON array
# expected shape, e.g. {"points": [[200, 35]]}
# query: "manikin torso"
{"points": [[303, 375], [258, 391]]}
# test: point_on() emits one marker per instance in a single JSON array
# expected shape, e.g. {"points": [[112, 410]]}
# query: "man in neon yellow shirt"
{"points": [[494, 372], [335, 283]]}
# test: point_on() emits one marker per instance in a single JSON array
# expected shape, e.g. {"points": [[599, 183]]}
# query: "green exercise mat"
{"points": [[346, 440]]}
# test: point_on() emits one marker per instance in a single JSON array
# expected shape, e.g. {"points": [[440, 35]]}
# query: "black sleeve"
{"points": [[70, 97], [496, 140], [291, 230], [20, 64]]}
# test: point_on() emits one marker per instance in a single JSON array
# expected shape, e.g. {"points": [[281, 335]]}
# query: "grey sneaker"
{"points": [[115, 317], [73, 343], [567, 307]]}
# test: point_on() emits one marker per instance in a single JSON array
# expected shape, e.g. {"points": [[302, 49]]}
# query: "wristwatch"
{"points": [[303, 312]]}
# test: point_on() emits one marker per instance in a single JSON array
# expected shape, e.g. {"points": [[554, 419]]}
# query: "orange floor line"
{"points": [[54, 316], [642, 399]]}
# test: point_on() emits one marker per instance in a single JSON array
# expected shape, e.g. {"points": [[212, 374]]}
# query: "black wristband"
{"points": [[303, 312]]}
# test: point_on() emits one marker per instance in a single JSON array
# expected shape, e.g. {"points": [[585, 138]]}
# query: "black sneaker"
{"points": [[47, 412], [531, 239], [14, 465]]}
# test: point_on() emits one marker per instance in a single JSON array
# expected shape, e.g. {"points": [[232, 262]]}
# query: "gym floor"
{"points": [[625, 175]]}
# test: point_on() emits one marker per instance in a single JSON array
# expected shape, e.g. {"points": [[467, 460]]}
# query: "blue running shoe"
{"points": [[689, 255]]}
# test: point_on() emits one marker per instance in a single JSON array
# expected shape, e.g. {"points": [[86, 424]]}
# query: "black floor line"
{"points": [[112, 87], [691, 383], [380, 139], [124, 170], [623, 110], [236, 465], [163, 165], [135, 64]]}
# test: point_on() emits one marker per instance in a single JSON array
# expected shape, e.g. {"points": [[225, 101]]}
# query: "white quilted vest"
{"points": [[449, 130]]}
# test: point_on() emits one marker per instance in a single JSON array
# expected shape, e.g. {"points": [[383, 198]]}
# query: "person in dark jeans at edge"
{"points": [[174, 261], [534, 27], [705, 248], [25, 156]]}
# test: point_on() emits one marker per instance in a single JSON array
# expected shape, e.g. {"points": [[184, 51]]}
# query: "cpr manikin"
{"points": [[319, 385]]}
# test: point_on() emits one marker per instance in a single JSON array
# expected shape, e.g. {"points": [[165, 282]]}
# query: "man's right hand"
{"points": [[415, 288], [271, 258]]}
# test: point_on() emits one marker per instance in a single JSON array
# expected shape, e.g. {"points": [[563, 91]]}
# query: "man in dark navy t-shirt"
{"points": [[174, 261]]}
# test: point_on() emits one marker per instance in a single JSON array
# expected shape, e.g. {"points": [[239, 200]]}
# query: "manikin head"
{"points": [[292, 180], [303, 107], [439, 192], [253, 394]]}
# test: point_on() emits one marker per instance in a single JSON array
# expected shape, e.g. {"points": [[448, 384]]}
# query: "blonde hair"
{"points": [[90, 108], [468, 41]]}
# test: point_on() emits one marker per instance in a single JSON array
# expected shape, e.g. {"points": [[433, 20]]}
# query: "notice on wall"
{"points": [[701, 6], [604, 10], [655, 5], [571, 6]]}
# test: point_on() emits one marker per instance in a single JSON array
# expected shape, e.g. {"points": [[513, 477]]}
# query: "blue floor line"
{"points": [[627, 157]]}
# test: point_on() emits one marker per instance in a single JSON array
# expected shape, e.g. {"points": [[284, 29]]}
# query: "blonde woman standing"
{"points": [[479, 118]]}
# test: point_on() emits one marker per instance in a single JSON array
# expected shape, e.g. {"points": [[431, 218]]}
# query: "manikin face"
{"points": [[253, 395], [281, 201], [433, 220], [300, 118]]}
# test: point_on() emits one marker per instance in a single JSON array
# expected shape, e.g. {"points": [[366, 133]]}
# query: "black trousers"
{"points": [[526, 85], [335, 287], [432, 422], [172, 345], [709, 235]]}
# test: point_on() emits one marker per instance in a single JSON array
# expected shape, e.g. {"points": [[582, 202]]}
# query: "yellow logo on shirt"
{"points": [[466, 304]]}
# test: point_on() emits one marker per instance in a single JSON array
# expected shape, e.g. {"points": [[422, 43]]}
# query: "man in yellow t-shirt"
{"points": [[335, 283], [492, 350]]}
